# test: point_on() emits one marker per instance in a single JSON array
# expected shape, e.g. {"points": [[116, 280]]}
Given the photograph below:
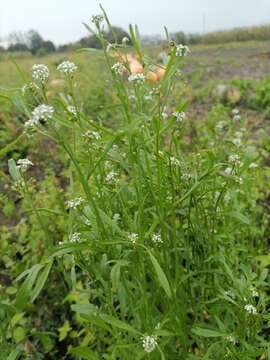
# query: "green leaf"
{"points": [[13, 170], [118, 324], [207, 332], [15, 353], [240, 217], [41, 281], [160, 274], [64, 330], [84, 353]]}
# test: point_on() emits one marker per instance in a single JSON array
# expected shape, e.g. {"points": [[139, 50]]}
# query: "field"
{"points": [[139, 227]]}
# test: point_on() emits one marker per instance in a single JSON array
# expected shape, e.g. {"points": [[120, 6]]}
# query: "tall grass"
{"points": [[161, 227]]}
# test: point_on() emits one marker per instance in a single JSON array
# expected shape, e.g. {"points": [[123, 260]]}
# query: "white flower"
{"points": [[97, 19], [237, 117], [116, 217], [119, 68], [250, 309], [23, 164], [41, 112], [254, 292], [220, 125], [93, 135], [40, 72], [74, 203], [125, 40], [138, 78], [235, 111], [180, 116], [75, 237], [110, 47], [149, 343], [111, 177], [228, 171], [186, 177], [72, 110], [156, 238], [253, 165], [67, 67], [182, 50], [231, 339], [174, 161], [235, 159], [133, 237]]}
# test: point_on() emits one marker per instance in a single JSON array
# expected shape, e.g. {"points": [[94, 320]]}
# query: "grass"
{"points": [[137, 232]]}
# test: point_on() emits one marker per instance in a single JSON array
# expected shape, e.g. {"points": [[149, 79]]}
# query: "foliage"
{"points": [[136, 231]]}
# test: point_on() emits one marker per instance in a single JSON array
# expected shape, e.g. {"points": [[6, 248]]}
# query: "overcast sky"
{"points": [[61, 20]]}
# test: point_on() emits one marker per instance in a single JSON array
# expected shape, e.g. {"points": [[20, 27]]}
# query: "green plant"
{"points": [[154, 236]]}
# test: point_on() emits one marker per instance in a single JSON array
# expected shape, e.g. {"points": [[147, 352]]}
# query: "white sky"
{"points": [[61, 20]]}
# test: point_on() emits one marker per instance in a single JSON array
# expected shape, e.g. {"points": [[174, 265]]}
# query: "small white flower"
{"points": [[254, 292], [42, 112], [237, 118], [253, 165], [186, 177], [97, 19], [250, 309], [116, 217], [93, 135], [133, 237], [75, 237], [138, 78], [125, 40], [40, 72], [235, 111], [228, 171], [174, 161], [87, 222], [111, 177], [220, 125], [149, 343], [182, 50], [72, 110], [23, 164], [119, 68], [156, 238], [180, 116], [234, 159], [67, 67], [74, 203], [231, 339]]}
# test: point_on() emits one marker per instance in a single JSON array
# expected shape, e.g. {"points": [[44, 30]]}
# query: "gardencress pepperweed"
{"points": [[159, 214]]}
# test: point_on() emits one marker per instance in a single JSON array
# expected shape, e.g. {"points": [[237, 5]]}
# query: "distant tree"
{"points": [[34, 40], [2, 49], [17, 41], [116, 34], [48, 46], [179, 37]]}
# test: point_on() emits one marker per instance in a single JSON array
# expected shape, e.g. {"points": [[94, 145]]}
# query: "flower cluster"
{"points": [[133, 237], [149, 343], [41, 112], [74, 203], [93, 135], [180, 116], [119, 68], [97, 19], [157, 239], [111, 177], [67, 67], [138, 78], [23, 164], [236, 115], [72, 110], [182, 50], [234, 159], [40, 72], [75, 237], [250, 309]]}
